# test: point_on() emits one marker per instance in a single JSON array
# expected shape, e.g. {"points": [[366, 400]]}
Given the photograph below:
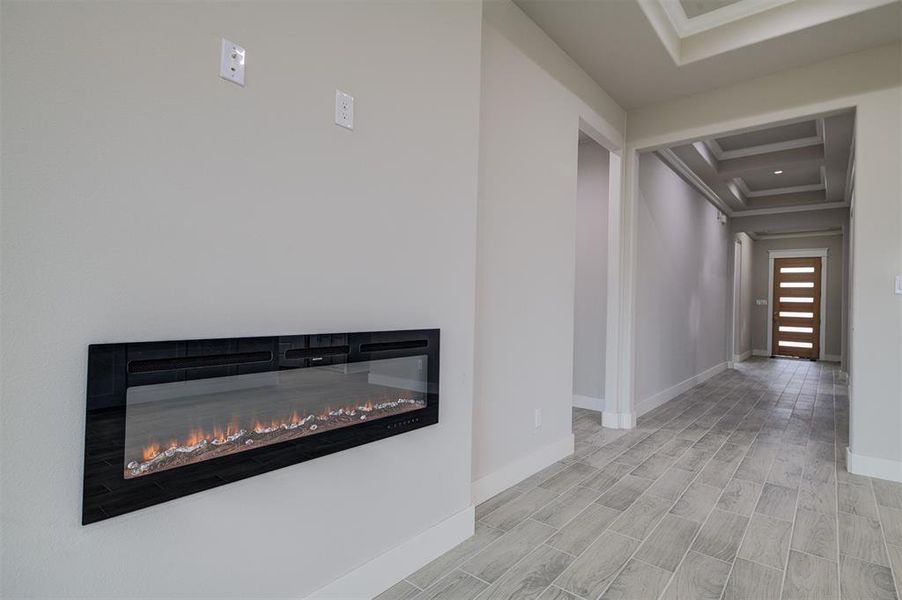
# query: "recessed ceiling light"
{"points": [[777, 172]]}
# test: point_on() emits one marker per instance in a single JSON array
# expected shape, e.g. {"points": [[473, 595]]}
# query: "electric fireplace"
{"points": [[168, 419]]}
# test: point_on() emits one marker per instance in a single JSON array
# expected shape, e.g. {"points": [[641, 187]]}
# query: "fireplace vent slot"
{"points": [[387, 346], [197, 362], [316, 352]]}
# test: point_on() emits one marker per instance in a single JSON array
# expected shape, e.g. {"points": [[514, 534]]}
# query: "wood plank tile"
{"points": [[756, 464], [566, 506], [717, 473], [504, 552], [513, 512], [668, 542], [777, 501], [671, 484], [815, 533], [455, 586], [448, 561], [569, 477], [891, 519], [694, 459], [888, 493], [624, 492], [860, 537], [721, 534], [575, 536], [698, 577], [601, 457], [696, 502], [751, 581], [895, 558], [856, 500], [766, 541], [536, 478], [637, 580], [496, 502], [607, 476], [819, 497], [787, 468], [400, 591], [810, 578], [653, 466], [675, 447], [639, 519], [861, 580], [529, 578], [590, 574], [556, 593], [740, 496]]}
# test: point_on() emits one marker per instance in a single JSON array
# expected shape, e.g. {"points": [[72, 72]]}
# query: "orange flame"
{"points": [[220, 433], [151, 450]]}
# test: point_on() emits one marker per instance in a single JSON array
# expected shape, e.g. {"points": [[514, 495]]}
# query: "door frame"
{"points": [[823, 254], [734, 355]]}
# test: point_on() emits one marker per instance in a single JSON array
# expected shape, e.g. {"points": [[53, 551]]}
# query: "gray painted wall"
{"points": [[590, 302], [833, 291], [144, 198], [533, 98], [683, 283]]}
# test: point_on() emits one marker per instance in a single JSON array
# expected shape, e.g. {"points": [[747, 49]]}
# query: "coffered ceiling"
{"points": [[644, 52], [802, 165]]}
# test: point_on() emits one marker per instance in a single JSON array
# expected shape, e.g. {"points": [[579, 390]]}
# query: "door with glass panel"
{"points": [[796, 307]]}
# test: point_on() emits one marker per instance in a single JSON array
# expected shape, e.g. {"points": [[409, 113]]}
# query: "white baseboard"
{"points": [[871, 466], [741, 357], [652, 402], [831, 357], [515, 472], [613, 420], [760, 353], [589, 402], [374, 577]]}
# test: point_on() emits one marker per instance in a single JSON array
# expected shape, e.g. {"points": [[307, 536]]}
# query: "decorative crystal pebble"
{"points": [[133, 465], [362, 417], [313, 427], [248, 442]]}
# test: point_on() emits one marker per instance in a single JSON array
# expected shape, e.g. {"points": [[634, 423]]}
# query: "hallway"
{"points": [[736, 489]]}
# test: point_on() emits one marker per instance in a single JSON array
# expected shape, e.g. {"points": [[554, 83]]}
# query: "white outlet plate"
{"points": [[344, 109], [231, 62], [899, 285]]}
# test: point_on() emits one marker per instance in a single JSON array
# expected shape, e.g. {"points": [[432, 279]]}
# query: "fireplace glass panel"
{"points": [[170, 425]]}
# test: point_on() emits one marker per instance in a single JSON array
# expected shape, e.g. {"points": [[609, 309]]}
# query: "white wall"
{"points": [[833, 292], [530, 117], [590, 303], [144, 198], [684, 278], [747, 266], [868, 81]]}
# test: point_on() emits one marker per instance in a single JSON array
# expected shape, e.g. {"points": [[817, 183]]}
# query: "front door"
{"points": [[796, 306]]}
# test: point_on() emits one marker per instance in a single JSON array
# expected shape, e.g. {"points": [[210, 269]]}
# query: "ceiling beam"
{"points": [[795, 157]]}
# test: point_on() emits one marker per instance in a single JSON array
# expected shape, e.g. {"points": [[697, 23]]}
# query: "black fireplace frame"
{"points": [[113, 368]]}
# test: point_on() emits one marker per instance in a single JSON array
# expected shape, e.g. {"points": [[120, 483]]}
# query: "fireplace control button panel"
{"points": [[409, 421]]}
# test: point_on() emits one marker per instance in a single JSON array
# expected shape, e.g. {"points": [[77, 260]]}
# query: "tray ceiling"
{"points": [[802, 165]]}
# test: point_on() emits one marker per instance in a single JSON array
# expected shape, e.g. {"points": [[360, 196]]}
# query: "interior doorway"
{"points": [[591, 272]]}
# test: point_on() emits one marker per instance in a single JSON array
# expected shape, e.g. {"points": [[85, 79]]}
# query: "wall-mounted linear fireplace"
{"points": [[167, 419]]}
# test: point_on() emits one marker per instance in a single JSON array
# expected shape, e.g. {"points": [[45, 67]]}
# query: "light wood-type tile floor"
{"points": [[736, 489]]}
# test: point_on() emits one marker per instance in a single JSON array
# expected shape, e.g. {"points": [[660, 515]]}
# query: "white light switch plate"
{"points": [[344, 109], [761, 302], [899, 285], [231, 62]]}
